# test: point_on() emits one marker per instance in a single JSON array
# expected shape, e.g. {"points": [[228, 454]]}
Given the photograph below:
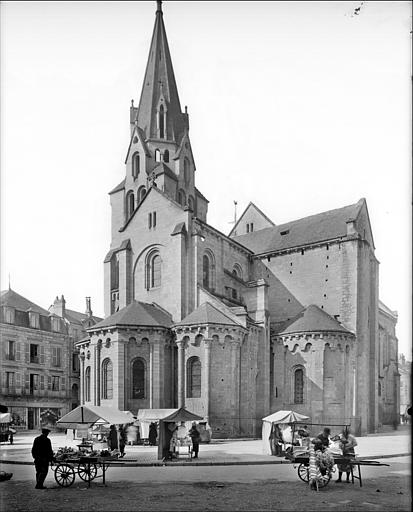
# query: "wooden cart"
{"points": [[87, 468]]}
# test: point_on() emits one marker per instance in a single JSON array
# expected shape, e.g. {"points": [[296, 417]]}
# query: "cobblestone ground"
{"points": [[385, 493]]}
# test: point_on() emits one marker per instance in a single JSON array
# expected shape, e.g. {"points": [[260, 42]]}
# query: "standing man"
{"points": [[42, 454], [196, 437]]}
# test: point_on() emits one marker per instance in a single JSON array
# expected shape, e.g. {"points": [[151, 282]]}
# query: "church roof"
{"points": [[206, 313], [313, 319], [164, 169], [13, 299], [77, 317], [159, 82], [386, 309], [315, 228], [136, 314], [121, 186]]}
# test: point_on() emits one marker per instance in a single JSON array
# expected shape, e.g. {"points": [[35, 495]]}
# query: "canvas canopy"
{"points": [[92, 414], [147, 416], [165, 433], [5, 417], [280, 418]]}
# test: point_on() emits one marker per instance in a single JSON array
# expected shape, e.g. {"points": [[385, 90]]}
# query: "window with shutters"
{"points": [[138, 378], [107, 379], [11, 350], [34, 353], [56, 356], [34, 382], [55, 383], [299, 386], [193, 373], [10, 383], [87, 384]]}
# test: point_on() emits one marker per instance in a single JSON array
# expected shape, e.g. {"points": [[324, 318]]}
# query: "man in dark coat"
{"points": [[42, 454], [196, 437]]}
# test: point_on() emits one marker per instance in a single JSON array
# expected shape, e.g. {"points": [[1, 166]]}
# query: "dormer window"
{"points": [[9, 314], [34, 320]]}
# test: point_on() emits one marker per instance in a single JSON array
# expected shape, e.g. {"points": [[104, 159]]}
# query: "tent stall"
{"points": [[147, 416], [283, 418], [165, 433]]}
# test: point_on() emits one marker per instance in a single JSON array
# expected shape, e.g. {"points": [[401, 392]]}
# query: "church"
{"points": [[232, 327]]}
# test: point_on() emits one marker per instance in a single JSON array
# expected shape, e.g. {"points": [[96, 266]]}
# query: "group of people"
{"points": [[117, 438]]}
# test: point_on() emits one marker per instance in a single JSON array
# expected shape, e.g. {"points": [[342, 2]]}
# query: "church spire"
{"points": [[159, 113]]}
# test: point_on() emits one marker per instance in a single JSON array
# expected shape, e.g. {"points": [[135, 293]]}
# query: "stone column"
{"points": [[151, 374], [82, 378], [181, 373], [207, 366], [97, 362], [235, 361]]}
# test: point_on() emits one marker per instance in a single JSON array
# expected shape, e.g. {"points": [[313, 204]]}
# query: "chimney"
{"points": [[59, 307], [89, 311]]}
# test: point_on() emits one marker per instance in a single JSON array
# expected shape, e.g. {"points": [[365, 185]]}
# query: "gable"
{"points": [[252, 217], [363, 226]]}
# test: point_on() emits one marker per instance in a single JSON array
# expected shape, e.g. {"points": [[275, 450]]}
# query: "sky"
{"points": [[300, 107]]}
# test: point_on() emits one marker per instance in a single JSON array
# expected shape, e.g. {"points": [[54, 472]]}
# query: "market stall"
{"points": [[168, 424], [276, 428], [6, 431]]}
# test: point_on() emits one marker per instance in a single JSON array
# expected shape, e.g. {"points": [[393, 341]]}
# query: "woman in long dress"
{"points": [[347, 443]]}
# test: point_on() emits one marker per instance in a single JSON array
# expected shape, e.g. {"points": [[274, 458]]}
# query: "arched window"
{"points": [[299, 386], [138, 378], [186, 171], [181, 197], [130, 203], [114, 268], [135, 164], [166, 156], [87, 384], [141, 194], [193, 372], [153, 270], [161, 122], [237, 271], [75, 392], [191, 203], [107, 379], [157, 155], [206, 270]]}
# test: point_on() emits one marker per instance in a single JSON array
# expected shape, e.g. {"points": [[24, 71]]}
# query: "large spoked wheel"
{"points": [[64, 475], [303, 473], [84, 470]]}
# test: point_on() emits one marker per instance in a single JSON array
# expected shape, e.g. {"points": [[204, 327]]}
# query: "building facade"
{"points": [[39, 368], [230, 326], [405, 370]]}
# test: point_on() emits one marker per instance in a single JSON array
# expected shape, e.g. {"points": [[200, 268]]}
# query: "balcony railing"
{"points": [[34, 359]]}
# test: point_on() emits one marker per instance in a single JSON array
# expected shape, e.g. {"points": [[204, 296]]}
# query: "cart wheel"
{"points": [[83, 471], [303, 473], [64, 475]]}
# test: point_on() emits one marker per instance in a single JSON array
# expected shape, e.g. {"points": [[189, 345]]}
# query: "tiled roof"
{"points": [[386, 309], [136, 314], [198, 193], [313, 319], [13, 299], [206, 313], [121, 186], [315, 228], [164, 169], [76, 316]]}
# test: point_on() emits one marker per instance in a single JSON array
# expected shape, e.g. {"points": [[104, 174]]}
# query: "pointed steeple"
{"points": [[159, 113]]}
